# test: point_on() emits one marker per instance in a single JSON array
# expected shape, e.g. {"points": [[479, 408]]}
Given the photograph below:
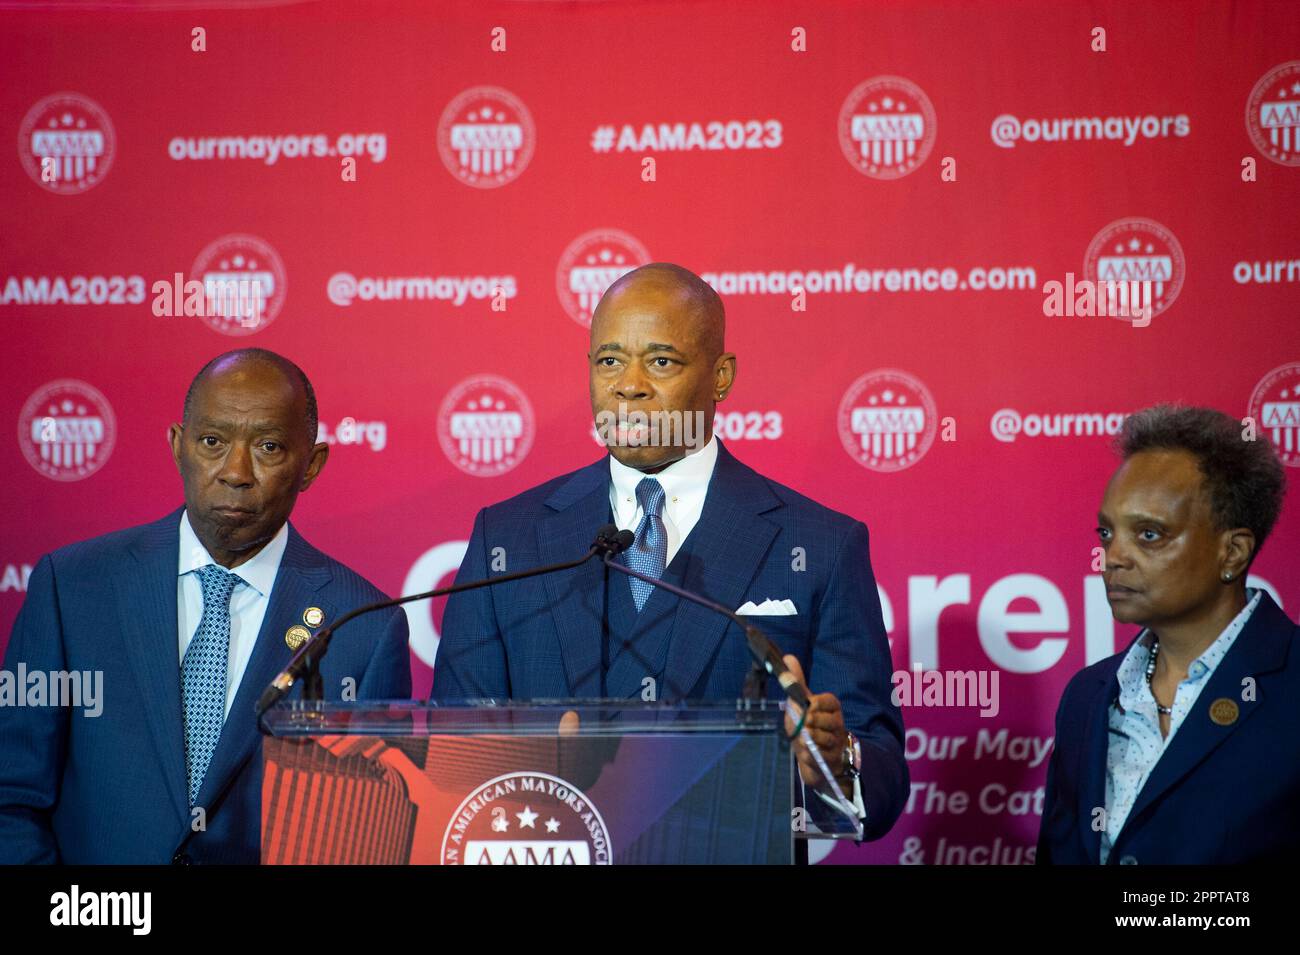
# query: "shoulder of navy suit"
{"points": [[1262, 644], [349, 586], [146, 540], [91, 554], [781, 495], [558, 493], [553, 495], [1265, 645], [152, 549], [1272, 633], [732, 477]]}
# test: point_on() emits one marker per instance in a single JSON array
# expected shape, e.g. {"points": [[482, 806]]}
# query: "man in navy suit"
{"points": [[704, 521], [1184, 748], [187, 619]]}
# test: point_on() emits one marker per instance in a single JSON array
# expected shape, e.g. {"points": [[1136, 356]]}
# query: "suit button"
{"points": [[1128, 860], [182, 858]]}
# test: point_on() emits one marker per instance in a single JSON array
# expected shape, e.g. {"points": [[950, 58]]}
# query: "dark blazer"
{"points": [[545, 637], [1219, 794], [112, 788]]}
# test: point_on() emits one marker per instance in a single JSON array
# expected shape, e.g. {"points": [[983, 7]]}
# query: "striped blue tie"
{"points": [[649, 552], [203, 674]]}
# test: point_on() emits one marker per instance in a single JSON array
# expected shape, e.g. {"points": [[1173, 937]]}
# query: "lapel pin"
{"points": [[313, 617], [1224, 711], [296, 636]]}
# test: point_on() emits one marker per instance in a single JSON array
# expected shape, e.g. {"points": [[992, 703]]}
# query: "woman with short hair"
{"points": [[1185, 747]]}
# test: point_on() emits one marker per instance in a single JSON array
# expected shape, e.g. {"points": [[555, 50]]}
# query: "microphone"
{"points": [[766, 653], [613, 540], [609, 542]]}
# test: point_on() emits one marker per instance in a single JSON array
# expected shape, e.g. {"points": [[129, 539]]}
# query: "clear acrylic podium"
{"points": [[553, 782]]}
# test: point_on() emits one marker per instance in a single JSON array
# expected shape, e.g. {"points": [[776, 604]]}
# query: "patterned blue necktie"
{"points": [[203, 674], [649, 552]]}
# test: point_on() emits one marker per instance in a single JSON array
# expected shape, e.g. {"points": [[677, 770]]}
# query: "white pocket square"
{"points": [[768, 608]]}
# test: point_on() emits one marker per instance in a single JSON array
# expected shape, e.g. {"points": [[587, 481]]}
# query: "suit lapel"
{"points": [[1092, 772], [303, 572], [146, 608], [577, 597], [1259, 648], [726, 548]]}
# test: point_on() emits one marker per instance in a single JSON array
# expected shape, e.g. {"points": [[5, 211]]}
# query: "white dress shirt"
{"points": [[685, 484], [248, 602], [1135, 744]]}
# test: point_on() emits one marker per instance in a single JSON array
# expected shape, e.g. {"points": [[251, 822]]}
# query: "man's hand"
{"points": [[825, 724]]}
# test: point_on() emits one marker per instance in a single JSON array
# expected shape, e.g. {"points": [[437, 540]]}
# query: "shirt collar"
{"points": [[1132, 671], [257, 572], [690, 475]]}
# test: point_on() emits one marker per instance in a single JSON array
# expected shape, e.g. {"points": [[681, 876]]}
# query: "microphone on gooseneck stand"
{"points": [[306, 662], [766, 654]]}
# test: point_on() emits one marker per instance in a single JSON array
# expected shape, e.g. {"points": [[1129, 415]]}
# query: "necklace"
{"points": [[1151, 672]]}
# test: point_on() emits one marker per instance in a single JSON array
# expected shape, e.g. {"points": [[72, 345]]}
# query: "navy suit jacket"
{"points": [[112, 788], [542, 638], [1219, 794]]}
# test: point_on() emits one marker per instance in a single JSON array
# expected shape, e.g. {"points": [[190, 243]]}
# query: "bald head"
{"points": [[245, 450], [246, 357], [656, 351], [679, 290]]}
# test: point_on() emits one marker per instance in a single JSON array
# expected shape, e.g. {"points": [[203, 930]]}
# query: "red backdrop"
{"points": [[925, 169]]}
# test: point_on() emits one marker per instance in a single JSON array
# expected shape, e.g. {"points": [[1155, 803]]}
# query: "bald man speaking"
{"points": [[703, 521]]}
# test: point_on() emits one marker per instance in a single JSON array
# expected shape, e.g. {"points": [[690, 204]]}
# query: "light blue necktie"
{"points": [[203, 674], [649, 552]]}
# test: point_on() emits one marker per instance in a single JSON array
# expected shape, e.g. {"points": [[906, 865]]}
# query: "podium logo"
{"points": [[887, 420], [1273, 114], [66, 143], [887, 127], [243, 284], [1275, 405], [526, 819], [67, 430], [486, 137], [590, 265], [485, 425], [1136, 258]]}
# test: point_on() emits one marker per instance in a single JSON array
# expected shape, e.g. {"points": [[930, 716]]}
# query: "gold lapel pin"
{"points": [[296, 636], [313, 617], [1224, 711]]}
